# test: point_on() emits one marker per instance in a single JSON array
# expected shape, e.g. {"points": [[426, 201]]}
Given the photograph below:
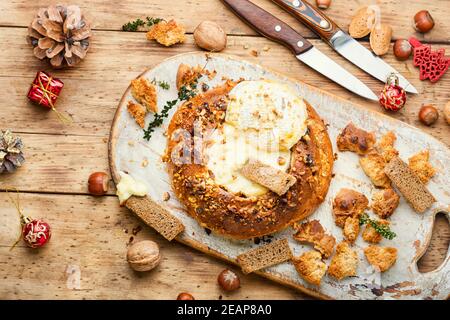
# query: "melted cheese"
{"points": [[128, 187]]}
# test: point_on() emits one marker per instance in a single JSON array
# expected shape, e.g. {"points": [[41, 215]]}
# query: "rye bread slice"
{"points": [[265, 256], [273, 179], [155, 216], [409, 185]]}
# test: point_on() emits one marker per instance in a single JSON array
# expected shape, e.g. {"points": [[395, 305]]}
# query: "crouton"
{"points": [[384, 202], [186, 75], [313, 233], [310, 266], [167, 33], [385, 146], [138, 112], [348, 203], [351, 229], [344, 263], [381, 258], [373, 165], [371, 235], [420, 165], [354, 139], [145, 93]]}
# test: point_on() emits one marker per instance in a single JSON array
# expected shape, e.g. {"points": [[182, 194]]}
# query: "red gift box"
{"points": [[45, 90]]}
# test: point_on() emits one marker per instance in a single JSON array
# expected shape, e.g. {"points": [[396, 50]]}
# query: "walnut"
{"points": [[143, 255], [210, 36]]}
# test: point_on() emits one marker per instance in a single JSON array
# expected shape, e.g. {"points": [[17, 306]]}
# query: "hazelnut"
{"points": [[423, 21], [323, 4], [210, 36], [143, 255], [402, 49], [185, 296], [98, 183], [447, 112], [228, 280], [428, 115]]}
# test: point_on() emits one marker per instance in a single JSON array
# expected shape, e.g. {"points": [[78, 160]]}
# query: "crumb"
{"points": [[145, 93], [254, 53], [381, 258], [166, 196], [167, 33], [344, 263], [246, 46], [310, 266], [348, 203], [138, 112], [420, 165], [385, 146], [384, 202], [313, 232], [354, 139], [371, 235], [144, 163], [136, 230], [266, 48], [373, 165], [131, 143]]}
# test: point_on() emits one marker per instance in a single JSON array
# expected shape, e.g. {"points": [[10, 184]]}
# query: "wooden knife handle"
{"points": [[269, 26], [318, 22]]}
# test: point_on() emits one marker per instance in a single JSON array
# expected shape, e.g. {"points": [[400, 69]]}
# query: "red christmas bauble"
{"points": [[36, 232], [393, 97]]}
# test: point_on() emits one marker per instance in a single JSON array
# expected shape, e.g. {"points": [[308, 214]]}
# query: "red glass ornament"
{"points": [[45, 90], [35, 232], [393, 97], [432, 64]]}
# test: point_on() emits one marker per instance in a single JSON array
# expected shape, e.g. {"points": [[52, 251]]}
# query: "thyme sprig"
{"points": [[163, 84], [383, 230], [134, 25]]}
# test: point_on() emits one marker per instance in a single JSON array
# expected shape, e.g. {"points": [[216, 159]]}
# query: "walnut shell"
{"points": [[210, 36], [143, 255]]}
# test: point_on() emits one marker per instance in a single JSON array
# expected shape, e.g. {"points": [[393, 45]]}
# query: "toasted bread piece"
{"points": [[381, 258], [420, 165], [385, 146], [155, 216], [273, 179], [354, 139], [265, 256], [167, 33], [371, 235], [351, 229], [138, 112], [312, 232], [384, 202], [186, 75], [344, 263], [373, 165], [310, 266], [409, 185], [348, 203], [145, 93]]}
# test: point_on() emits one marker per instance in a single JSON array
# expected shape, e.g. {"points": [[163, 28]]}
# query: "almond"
{"points": [[380, 39], [361, 23]]}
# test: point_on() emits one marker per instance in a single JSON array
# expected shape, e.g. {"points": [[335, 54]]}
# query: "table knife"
{"points": [[273, 28], [340, 41]]}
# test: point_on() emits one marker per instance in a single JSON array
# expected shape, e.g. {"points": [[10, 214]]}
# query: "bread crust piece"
{"points": [[348, 203], [344, 263], [385, 146], [351, 229], [373, 165], [231, 214], [167, 33], [371, 235], [354, 139], [138, 112], [384, 202], [381, 258], [312, 232], [420, 165], [145, 93], [310, 266]]}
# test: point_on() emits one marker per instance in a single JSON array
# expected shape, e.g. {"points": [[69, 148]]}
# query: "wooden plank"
{"points": [[92, 234], [111, 15], [93, 89]]}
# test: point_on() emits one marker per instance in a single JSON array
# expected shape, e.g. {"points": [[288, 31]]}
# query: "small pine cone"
{"points": [[60, 34], [11, 155]]}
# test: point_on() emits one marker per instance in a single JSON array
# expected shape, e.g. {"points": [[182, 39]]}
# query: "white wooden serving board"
{"points": [[128, 150]]}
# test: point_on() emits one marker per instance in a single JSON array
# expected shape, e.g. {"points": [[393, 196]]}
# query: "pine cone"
{"points": [[11, 155], [61, 34]]}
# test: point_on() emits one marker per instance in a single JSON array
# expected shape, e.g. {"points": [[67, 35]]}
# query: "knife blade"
{"points": [[273, 28], [340, 41]]}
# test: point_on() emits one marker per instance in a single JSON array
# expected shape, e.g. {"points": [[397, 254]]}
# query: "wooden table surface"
{"points": [[90, 235]]}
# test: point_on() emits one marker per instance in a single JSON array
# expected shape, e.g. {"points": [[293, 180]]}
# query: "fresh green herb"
{"points": [[134, 25], [185, 93], [163, 84], [383, 230]]}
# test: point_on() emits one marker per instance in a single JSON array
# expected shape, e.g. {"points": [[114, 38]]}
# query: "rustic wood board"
{"points": [[128, 150]]}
